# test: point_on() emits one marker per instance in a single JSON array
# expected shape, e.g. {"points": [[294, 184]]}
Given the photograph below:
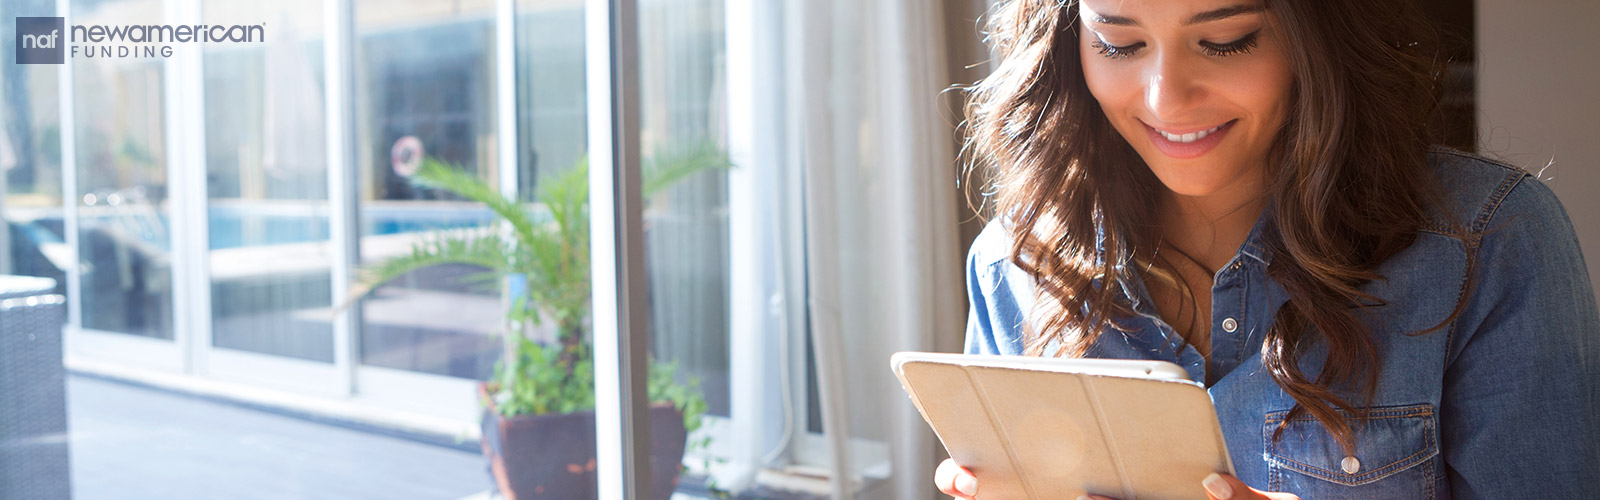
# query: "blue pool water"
{"points": [[234, 227]]}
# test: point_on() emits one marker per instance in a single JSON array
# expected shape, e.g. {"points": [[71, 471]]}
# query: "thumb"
{"points": [[1227, 487]]}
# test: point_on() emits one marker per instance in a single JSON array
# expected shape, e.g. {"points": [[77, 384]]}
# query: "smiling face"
{"points": [[1200, 88]]}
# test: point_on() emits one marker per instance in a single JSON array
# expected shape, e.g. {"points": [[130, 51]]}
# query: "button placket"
{"points": [[1230, 324], [1227, 303]]}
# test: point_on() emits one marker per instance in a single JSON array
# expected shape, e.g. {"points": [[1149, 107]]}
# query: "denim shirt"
{"points": [[1503, 402]]}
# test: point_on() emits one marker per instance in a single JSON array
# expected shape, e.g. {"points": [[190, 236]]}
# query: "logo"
{"points": [[41, 40], [46, 40]]}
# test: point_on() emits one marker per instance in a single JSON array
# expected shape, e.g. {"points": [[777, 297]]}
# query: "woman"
{"points": [[1246, 188]]}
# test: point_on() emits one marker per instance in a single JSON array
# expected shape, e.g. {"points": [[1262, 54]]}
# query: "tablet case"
{"points": [[1033, 428]]}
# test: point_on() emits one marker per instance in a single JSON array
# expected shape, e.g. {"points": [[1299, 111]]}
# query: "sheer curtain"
{"points": [[883, 256]]}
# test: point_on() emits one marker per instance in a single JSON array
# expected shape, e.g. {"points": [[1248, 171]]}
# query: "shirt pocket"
{"points": [[1394, 456]]}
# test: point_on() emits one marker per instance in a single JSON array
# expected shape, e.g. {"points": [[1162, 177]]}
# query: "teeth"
{"points": [[1189, 137]]}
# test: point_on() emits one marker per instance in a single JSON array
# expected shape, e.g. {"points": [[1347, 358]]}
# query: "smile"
{"points": [[1188, 145], [1189, 137]]}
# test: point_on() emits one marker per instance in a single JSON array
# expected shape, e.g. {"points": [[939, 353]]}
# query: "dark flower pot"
{"points": [[553, 455]]}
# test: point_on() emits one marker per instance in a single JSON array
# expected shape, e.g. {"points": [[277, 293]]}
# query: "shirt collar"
{"points": [[1253, 245]]}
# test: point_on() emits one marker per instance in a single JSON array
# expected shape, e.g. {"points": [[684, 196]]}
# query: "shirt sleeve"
{"points": [[994, 322], [1520, 408]]}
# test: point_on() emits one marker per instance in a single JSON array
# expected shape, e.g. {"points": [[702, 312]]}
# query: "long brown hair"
{"points": [[1348, 186]]}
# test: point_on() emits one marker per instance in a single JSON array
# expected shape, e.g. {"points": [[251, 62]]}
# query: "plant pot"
{"points": [[553, 455]]}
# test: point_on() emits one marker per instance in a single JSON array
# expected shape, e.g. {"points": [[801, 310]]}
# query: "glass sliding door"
{"points": [[122, 194], [425, 75], [551, 114], [267, 184], [683, 105]]}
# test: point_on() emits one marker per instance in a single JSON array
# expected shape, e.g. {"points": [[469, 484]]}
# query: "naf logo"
{"points": [[41, 40]]}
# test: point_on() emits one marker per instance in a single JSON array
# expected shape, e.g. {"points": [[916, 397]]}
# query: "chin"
{"points": [[1204, 184], [1194, 190]]}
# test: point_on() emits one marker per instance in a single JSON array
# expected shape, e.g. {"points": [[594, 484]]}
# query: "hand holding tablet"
{"points": [[1035, 428]]}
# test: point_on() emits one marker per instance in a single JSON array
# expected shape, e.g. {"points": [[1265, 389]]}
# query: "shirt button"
{"points": [[1350, 465], [1229, 325]]}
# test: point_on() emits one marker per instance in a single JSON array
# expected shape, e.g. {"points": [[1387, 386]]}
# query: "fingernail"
{"points": [[967, 485], [1217, 487], [1084, 497]]}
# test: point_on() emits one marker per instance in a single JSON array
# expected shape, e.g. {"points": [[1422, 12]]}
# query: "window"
{"points": [[424, 89], [267, 177], [203, 195], [121, 191]]}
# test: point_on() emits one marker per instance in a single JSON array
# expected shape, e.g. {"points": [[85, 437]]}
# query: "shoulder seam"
{"points": [[1492, 205], [1471, 156], [1513, 177]]}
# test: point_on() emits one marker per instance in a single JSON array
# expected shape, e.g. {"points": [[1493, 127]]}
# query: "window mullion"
{"points": [[621, 340], [343, 231]]}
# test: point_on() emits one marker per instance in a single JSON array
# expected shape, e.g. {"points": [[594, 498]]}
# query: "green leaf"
{"points": [[474, 247], [440, 175], [673, 164], [548, 247]]}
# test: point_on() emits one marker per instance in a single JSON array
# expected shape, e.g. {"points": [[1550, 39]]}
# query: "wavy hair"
{"points": [[1348, 184]]}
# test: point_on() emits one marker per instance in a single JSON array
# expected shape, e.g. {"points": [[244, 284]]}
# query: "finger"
{"points": [[944, 477], [967, 484], [1094, 497], [1227, 487], [953, 480]]}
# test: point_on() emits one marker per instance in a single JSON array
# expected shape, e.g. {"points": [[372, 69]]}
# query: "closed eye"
{"points": [[1113, 51], [1243, 45], [1240, 46]]}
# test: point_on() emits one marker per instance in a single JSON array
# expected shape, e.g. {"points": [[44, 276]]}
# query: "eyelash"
{"points": [[1236, 47]]}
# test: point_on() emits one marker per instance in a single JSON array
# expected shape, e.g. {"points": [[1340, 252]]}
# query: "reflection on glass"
{"points": [[267, 182], [551, 103], [424, 89], [123, 238], [686, 227]]}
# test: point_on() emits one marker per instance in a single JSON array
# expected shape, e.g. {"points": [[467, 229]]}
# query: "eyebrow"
{"points": [[1203, 17]]}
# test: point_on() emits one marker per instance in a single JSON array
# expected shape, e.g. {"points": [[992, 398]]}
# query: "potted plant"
{"points": [[538, 419]]}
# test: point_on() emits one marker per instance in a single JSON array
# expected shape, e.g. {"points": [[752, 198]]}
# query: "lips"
{"points": [[1188, 144]]}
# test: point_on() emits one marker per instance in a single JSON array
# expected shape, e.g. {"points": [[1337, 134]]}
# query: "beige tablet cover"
{"points": [[1036, 434]]}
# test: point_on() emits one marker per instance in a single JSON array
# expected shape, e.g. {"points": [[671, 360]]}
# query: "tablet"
{"points": [[1049, 428]]}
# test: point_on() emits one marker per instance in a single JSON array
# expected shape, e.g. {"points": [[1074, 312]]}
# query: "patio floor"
{"points": [[135, 443]]}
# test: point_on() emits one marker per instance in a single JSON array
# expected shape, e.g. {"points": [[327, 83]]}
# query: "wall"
{"points": [[1538, 101]]}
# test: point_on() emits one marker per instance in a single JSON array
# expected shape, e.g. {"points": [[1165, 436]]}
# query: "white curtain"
{"points": [[883, 257]]}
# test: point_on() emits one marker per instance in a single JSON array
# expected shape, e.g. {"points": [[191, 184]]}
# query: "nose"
{"points": [[1171, 88]]}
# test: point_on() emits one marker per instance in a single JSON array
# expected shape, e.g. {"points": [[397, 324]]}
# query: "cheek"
{"points": [[1272, 102], [1266, 90], [1114, 86], [1109, 81], [1094, 75]]}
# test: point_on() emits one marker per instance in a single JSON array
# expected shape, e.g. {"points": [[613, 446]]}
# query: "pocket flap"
{"points": [[1393, 439]]}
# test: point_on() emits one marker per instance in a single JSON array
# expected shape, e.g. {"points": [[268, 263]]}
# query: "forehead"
{"points": [[1163, 12]]}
